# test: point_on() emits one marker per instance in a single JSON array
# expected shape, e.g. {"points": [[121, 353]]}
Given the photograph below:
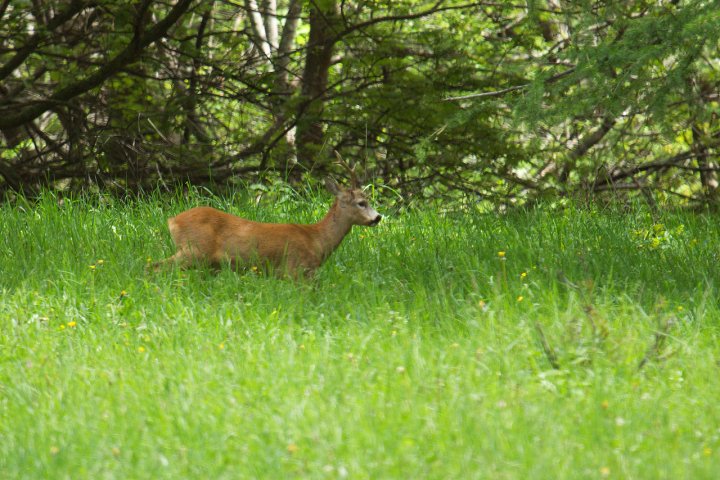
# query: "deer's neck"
{"points": [[331, 230]]}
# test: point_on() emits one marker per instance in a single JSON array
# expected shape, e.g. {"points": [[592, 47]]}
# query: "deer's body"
{"points": [[206, 235]]}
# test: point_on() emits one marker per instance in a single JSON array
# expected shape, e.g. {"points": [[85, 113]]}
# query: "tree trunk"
{"points": [[324, 21], [708, 178]]}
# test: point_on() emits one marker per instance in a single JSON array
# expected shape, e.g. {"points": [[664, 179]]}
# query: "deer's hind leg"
{"points": [[183, 258]]}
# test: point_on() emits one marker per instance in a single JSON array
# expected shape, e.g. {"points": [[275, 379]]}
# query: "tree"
{"points": [[500, 101]]}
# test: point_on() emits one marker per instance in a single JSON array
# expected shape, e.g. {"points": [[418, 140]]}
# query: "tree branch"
{"points": [[437, 7], [76, 6], [127, 56], [499, 93], [3, 8]]}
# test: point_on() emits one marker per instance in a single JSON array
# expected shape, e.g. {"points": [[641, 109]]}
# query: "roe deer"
{"points": [[206, 235]]}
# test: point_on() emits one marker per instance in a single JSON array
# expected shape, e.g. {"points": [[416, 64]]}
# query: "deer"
{"points": [[205, 235]]}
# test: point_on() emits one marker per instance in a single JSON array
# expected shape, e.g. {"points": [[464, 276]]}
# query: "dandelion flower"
{"points": [[501, 254], [523, 275], [92, 267], [71, 324], [520, 298], [141, 349], [100, 262], [221, 346]]}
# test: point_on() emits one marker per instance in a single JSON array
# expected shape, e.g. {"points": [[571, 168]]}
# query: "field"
{"points": [[545, 343]]}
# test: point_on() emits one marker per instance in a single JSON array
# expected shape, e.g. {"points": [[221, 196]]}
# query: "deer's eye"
{"points": [[362, 204]]}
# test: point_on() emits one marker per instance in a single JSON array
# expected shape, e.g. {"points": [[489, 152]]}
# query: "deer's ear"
{"points": [[332, 186]]}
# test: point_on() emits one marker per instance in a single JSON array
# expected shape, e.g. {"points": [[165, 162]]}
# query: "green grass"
{"points": [[417, 352]]}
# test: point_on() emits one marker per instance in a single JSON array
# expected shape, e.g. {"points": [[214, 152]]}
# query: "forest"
{"points": [[508, 102], [511, 273]]}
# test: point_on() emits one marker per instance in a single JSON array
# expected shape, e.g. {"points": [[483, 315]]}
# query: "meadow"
{"points": [[558, 343]]}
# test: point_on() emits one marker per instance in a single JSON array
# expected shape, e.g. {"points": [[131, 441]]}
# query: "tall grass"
{"points": [[588, 349]]}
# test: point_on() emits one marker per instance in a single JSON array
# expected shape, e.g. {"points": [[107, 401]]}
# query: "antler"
{"points": [[353, 176]]}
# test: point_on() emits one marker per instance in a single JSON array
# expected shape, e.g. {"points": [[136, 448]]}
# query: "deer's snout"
{"points": [[375, 220]]}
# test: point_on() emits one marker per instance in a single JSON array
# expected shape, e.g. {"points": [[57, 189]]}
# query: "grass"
{"points": [[589, 350]]}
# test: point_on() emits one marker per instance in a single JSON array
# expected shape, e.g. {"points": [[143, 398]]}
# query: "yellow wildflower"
{"points": [[501, 254], [71, 324], [520, 298], [523, 275], [141, 349]]}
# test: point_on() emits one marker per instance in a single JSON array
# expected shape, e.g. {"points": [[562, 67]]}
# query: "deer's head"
{"points": [[352, 201]]}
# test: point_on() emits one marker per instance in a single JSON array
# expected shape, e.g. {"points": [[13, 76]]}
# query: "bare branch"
{"points": [[76, 6], [547, 349], [127, 56], [496, 93], [661, 335], [499, 93]]}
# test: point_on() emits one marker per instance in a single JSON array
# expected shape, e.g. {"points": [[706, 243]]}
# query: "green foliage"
{"points": [[576, 98], [419, 351]]}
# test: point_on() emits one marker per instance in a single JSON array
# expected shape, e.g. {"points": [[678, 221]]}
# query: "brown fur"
{"points": [[206, 235]]}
